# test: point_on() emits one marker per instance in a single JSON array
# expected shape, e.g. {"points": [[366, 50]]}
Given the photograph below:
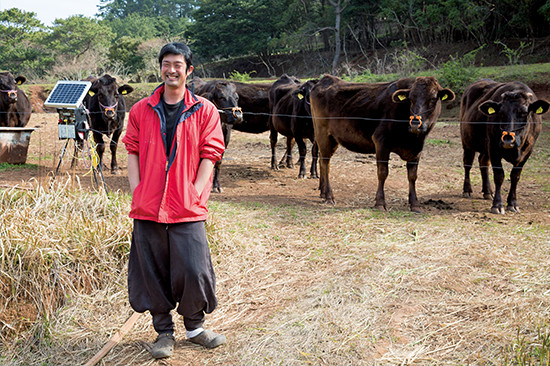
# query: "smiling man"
{"points": [[173, 140]]}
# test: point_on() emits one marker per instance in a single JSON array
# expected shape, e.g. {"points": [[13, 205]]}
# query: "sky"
{"points": [[49, 10]]}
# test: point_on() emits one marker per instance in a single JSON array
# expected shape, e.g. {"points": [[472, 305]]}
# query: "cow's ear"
{"points": [[400, 96], [489, 108], [94, 88], [20, 80], [125, 89], [539, 107], [446, 95]]}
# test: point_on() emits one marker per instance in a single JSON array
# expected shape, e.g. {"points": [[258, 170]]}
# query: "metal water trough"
{"points": [[14, 144]]}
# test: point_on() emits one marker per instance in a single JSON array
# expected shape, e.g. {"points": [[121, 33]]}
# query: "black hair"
{"points": [[177, 48]]}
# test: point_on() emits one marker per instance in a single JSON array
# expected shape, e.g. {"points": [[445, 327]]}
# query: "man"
{"points": [[173, 140]]}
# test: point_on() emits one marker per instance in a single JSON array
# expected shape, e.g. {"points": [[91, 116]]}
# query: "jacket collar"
{"points": [[189, 99]]}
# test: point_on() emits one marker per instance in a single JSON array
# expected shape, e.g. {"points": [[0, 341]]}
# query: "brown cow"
{"points": [[280, 105], [224, 96], [499, 121], [376, 118], [292, 118], [15, 108]]}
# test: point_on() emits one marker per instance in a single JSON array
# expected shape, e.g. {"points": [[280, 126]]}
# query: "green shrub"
{"points": [[242, 77], [458, 72]]}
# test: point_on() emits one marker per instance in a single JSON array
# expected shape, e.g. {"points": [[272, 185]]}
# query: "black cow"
{"points": [[292, 118], [224, 96], [15, 107], [499, 121], [107, 108], [376, 118]]}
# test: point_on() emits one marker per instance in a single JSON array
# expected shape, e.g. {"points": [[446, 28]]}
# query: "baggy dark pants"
{"points": [[170, 266]]}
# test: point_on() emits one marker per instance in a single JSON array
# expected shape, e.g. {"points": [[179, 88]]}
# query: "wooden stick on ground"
{"points": [[114, 339]]}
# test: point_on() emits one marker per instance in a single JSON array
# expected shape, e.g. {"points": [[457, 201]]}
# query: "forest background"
{"points": [[264, 38]]}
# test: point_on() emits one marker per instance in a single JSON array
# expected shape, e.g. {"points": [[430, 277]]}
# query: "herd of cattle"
{"points": [[497, 120]]}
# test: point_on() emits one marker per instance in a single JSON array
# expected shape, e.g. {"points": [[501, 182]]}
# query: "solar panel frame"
{"points": [[68, 94]]}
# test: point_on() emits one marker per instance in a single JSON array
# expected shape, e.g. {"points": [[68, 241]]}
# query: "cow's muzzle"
{"points": [[12, 95], [415, 123], [110, 110], [509, 139], [234, 114]]}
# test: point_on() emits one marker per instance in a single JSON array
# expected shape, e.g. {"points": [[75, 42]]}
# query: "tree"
{"points": [[81, 44], [339, 6], [236, 27], [21, 45]]}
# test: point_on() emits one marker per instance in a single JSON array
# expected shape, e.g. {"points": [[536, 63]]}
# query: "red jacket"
{"points": [[166, 192]]}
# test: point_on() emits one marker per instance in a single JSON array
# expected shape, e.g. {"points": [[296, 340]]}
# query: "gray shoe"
{"points": [[163, 346], [209, 339]]}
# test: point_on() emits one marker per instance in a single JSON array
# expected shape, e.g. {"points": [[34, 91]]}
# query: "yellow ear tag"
{"points": [[491, 110], [300, 96], [19, 83], [445, 97], [124, 92], [539, 111], [401, 97], [91, 93]]}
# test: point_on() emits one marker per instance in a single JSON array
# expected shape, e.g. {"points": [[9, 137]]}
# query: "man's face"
{"points": [[173, 71]]}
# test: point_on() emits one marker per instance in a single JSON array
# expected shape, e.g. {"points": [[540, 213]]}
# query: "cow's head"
{"points": [[8, 87], [108, 94], [225, 98], [301, 94], [424, 97], [514, 110]]}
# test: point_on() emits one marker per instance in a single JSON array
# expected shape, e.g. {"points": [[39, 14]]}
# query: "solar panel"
{"points": [[68, 94]]}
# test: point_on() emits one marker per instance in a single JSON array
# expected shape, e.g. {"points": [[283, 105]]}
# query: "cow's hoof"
{"points": [[115, 171], [498, 210], [380, 207], [467, 194], [514, 209], [216, 189], [416, 209], [487, 196], [302, 176], [329, 201]]}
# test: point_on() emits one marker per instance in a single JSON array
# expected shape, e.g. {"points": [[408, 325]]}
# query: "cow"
{"points": [[291, 117], [107, 109], [224, 96], [15, 107], [280, 106], [378, 118], [499, 121]]}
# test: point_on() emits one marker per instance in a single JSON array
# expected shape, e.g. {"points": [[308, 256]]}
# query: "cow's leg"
{"points": [[327, 148], [382, 159], [113, 146], [468, 160], [216, 178], [314, 157], [484, 164], [286, 160], [100, 146], [412, 173], [216, 186], [302, 151], [514, 180], [273, 141], [498, 173]]}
